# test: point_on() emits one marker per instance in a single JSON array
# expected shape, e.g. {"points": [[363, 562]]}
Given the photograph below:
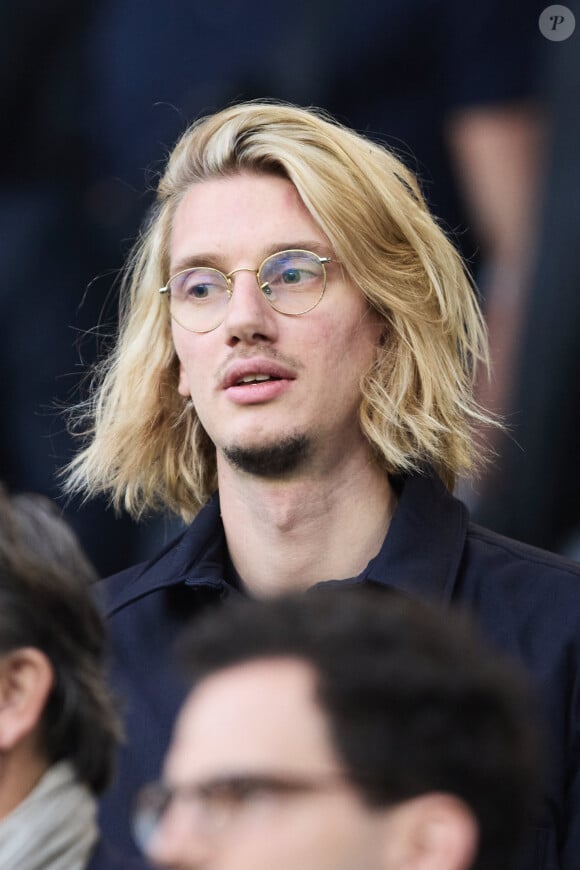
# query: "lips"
{"points": [[256, 371], [257, 381]]}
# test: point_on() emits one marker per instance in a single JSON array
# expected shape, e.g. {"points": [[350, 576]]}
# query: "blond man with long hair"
{"points": [[294, 376]]}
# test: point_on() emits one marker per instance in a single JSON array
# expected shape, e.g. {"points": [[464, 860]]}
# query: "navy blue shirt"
{"points": [[105, 857], [526, 600]]}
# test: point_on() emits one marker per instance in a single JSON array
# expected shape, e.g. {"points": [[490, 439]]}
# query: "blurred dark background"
{"points": [[475, 99]]}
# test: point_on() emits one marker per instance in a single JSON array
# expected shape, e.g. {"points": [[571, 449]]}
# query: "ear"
{"points": [[26, 679], [183, 383], [436, 831]]}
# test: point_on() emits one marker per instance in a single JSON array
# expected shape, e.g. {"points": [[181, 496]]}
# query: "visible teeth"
{"points": [[250, 379]]}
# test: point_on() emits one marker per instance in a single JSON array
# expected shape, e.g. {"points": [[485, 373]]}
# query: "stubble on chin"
{"points": [[272, 460]]}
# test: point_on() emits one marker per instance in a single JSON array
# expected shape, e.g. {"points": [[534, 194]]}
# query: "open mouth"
{"points": [[255, 379]]}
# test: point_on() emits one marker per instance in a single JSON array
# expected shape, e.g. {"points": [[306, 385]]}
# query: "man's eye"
{"points": [[292, 276], [199, 291], [236, 794]]}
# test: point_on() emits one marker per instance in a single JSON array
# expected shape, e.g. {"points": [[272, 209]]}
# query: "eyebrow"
{"points": [[216, 261]]}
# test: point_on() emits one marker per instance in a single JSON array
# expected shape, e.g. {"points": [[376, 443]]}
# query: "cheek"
{"points": [[288, 844], [183, 387], [321, 838], [330, 336], [190, 362], [352, 343]]}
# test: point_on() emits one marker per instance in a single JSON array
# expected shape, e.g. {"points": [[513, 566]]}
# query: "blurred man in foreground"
{"points": [[342, 730]]}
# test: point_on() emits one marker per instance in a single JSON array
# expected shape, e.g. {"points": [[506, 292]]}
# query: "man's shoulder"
{"points": [[518, 586], [489, 549], [194, 554], [138, 579]]}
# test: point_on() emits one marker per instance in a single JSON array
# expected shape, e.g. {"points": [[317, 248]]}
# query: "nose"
{"points": [[249, 318], [178, 843]]}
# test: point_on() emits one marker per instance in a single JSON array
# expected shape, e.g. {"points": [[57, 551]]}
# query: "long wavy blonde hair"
{"points": [[145, 446]]}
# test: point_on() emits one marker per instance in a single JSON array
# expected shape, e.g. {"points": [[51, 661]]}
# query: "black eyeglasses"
{"points": [[216, 803], [292, 281]]}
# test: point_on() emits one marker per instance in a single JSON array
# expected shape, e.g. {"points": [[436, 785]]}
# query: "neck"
{"points": [[20, 771], [289, 534], [53, 827]]}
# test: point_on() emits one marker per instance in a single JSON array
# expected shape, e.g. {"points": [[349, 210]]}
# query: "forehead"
{"points": [[260, 716], [240, 217]]}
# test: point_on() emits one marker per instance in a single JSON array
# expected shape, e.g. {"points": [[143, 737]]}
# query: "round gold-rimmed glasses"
{"points": [[292, 281]]}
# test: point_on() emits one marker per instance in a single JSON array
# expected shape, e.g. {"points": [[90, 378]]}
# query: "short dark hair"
{"points": [[416, 703], [46, 602]]}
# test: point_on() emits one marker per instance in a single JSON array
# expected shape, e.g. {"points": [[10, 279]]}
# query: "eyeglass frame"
{"points": [[242, 787], [166, 290]]}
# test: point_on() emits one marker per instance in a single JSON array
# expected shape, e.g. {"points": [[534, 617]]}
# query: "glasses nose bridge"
{"points": [[255, 272]]}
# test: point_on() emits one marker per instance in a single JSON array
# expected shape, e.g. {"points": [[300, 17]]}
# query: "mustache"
{"points": [[258, 350]]}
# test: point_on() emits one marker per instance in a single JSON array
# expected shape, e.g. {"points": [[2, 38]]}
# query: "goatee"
{"points": [[272, 461]]}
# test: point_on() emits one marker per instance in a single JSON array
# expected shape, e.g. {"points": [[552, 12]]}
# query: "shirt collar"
{"points": [[423, 548], [194, 558], [420, 555]]}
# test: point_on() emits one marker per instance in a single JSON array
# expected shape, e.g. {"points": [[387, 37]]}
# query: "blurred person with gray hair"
{"points": [[59, 727]]}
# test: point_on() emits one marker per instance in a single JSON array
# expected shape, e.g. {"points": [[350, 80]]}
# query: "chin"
{"points": [[274, 460]]}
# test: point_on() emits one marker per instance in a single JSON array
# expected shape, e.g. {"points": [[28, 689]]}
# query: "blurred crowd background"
{"points": [[474, 98]]}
